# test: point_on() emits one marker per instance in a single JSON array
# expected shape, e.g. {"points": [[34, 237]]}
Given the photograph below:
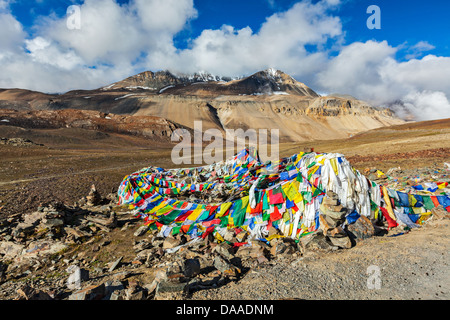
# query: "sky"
{"points": [[326, 44]]}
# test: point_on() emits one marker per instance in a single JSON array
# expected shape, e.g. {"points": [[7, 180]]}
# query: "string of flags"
{"points": [[250, 196]]}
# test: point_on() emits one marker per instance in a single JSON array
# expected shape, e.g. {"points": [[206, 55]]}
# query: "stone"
{"points": [[117, 295], [258, 248], [243, 252], [157, 242], [44, 247], [225, 267], [103, 223], [114, 290], [221, 264], [324, 224], [76, 233], [334, 212], [10, 250], [151, 287], [314, 241], [361, 229], [272, 231], [142, 245], [77, 275], [141, 231], [337, 232], [160, 276], [191, 267], [139, 295], [93, 198], [332, 195], [94, 292], [439, 213], [225, 250], [262, 259], [241, 236], [32, 219], [121, 275], [229, 236], [52, 223], [341, 242], [330, 201], [29, 293], [167, 286], [170, 243], [115, 264]]}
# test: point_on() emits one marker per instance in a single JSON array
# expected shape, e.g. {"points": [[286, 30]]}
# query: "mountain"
{"points": [[269, 99], [157, 81], [265, 82]]}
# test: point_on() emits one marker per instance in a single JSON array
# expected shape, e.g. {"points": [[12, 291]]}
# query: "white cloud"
{"points": [[418, 49], [166, 16], [109, 46], [44, 52], [369, 71], [280, 43], [427, 105], [356, 70], [11, 34]]}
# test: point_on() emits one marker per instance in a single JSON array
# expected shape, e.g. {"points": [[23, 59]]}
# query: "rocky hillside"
{"points": [[267, 82], [155, 128], [268, 99]]}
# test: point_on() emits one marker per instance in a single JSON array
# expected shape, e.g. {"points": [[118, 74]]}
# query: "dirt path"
{"points": [[4, 183]]}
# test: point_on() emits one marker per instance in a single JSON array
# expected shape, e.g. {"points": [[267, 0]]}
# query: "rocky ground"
{"points": [[97, 250]]}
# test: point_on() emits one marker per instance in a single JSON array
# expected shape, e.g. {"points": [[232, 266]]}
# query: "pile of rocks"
{"points": [[332, 218], [18, 142], [334, 231]]}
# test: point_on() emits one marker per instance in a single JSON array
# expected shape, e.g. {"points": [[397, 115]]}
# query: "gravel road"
{"points": [[412, 266]]}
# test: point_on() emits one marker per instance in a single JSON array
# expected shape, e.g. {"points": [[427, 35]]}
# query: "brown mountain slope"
{"points": [[155, 128], [268, 99]]}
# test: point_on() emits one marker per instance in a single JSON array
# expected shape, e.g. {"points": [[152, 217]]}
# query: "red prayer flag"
{"points": [[391, 223], [275, 215]]}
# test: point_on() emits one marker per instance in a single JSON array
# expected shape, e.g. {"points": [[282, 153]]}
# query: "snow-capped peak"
{"points": [[272, 72]]}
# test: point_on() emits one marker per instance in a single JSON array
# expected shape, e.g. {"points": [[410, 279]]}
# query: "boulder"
{"points": [[93, 198], [77, 275], [94, 292], [170, 243], [315, 241], [361, 229], [141, 231], [439, 213], [191, 267]]}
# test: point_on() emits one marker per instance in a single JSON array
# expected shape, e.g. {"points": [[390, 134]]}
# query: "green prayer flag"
{"points": [[170, 217], [265, 202], [176, 230], [428, 203]]}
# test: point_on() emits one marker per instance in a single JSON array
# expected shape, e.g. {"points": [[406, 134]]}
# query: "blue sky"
{"points": [[402, 21], [323, 43]]}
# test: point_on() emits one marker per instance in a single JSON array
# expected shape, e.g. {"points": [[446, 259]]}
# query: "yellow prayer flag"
{"points": [[333, 163], [223, 209], [195, 213], [219, 237]]}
